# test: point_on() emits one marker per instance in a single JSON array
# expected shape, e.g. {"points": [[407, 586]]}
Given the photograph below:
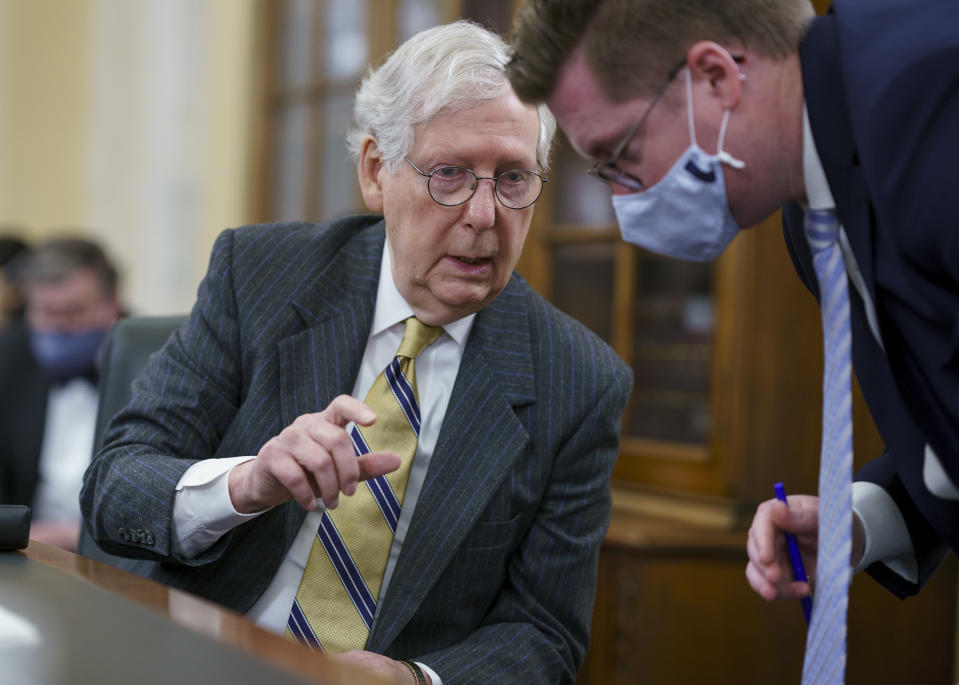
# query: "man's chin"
{"points": [[451, 305]]}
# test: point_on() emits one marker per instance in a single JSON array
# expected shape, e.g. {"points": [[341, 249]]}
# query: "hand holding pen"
{"points": [[771, 571]]}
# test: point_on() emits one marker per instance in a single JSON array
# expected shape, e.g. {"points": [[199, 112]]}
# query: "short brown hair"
{"points": [[632, 45], [56, 259]]}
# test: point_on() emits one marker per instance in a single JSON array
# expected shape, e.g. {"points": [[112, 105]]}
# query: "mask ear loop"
{"points": [[721, 154], [689, 107]]}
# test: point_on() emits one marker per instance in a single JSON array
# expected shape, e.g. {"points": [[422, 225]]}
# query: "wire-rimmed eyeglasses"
{"points": [[608, 171], [453, 185]]}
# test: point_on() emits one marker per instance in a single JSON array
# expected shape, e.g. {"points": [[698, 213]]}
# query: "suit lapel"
{"points": [[321, 360], [479, 443], [25, 413], [27, 438]]}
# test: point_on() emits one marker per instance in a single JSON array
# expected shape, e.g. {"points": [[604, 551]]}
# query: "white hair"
{"points": [[444, 68]]}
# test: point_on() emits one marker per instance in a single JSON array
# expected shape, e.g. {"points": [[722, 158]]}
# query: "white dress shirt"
{"points": [[65, 451], [887, 537], [203, 510]]}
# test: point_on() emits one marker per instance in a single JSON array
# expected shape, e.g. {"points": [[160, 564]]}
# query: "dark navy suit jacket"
{"points": [[881, 83], [496, 578], [24, 388]]}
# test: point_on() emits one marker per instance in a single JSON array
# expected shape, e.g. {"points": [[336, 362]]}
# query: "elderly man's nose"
{"points": [[481, 207]]}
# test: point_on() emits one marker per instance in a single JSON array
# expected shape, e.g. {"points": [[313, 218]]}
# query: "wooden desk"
{"points": [[103, 625]]}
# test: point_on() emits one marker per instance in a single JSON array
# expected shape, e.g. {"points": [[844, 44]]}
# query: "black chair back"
{"points": [[125, 352]]}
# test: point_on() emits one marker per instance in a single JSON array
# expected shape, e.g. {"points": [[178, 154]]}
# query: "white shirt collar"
{"points": [[818, 195], [392, 308]]}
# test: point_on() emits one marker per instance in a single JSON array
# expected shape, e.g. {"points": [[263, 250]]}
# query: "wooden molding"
{"points": [[669, 508]]}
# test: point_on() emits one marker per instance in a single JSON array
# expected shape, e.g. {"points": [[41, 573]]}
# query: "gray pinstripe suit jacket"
{"points": [[496, 579]]}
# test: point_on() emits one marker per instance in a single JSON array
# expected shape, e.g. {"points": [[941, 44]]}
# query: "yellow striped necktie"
{"points": [[336, 600]]}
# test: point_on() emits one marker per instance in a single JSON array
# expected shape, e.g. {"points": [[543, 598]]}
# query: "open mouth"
{"points": [[472, 260]]}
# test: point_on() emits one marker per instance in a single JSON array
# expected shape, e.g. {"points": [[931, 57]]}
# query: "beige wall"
{"points": [[134, 120], [43, 46]]}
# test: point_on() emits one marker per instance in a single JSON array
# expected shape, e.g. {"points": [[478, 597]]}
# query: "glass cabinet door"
{"points": [[655, 311], [672, 327], [318, 50]]}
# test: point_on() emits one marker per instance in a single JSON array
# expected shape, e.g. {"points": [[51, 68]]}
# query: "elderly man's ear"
{"points": [[370, 168]]}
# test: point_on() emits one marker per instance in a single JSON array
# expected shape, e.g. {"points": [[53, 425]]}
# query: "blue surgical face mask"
{"points": [[66, 355], [686, 214]]}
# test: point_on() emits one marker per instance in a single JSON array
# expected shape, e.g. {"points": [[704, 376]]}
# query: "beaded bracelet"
{"points": [[418, 677]]}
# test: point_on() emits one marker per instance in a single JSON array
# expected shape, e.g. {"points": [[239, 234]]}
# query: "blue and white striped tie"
{"points": [[825, 660], [336, 600]]}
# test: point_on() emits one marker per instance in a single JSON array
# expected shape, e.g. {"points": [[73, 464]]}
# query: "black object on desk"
{"points": [[14, 526]]}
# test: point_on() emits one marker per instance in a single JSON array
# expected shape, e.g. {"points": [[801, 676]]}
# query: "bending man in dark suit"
{"points": [[855, 112], [491, 574]]}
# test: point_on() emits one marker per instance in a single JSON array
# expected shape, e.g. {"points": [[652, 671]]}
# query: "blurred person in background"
{"points": [[48, 373]]}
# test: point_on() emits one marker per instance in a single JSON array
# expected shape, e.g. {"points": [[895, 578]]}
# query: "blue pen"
{"points": [[799, 572]]}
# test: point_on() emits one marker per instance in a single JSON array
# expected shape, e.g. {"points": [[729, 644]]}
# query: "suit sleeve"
{"points": [[907, 145], [183, 400], [537, 630], [917, 201], [929, 548]]}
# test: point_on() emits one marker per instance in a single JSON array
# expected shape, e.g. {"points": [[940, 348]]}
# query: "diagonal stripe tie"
{"points": [[825, 659], [336, 600]]}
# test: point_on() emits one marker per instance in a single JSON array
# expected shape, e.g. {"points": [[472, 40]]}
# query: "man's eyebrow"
{"points": [[508, 164], [601, 146]]}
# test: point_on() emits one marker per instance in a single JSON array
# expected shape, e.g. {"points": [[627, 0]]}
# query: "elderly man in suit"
{"points": [[234, 463]]}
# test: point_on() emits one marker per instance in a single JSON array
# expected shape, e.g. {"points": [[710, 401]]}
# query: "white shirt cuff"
{"points": [[887, 537], [202, 509], [935, 477]]}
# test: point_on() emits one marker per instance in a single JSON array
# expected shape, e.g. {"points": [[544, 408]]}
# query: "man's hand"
{"points": [[769, 571], [311, 458], [380, 665]]}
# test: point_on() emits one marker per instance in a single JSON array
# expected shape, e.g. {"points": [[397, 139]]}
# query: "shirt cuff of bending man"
{"points": [[203, 513], [887, 537]]}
